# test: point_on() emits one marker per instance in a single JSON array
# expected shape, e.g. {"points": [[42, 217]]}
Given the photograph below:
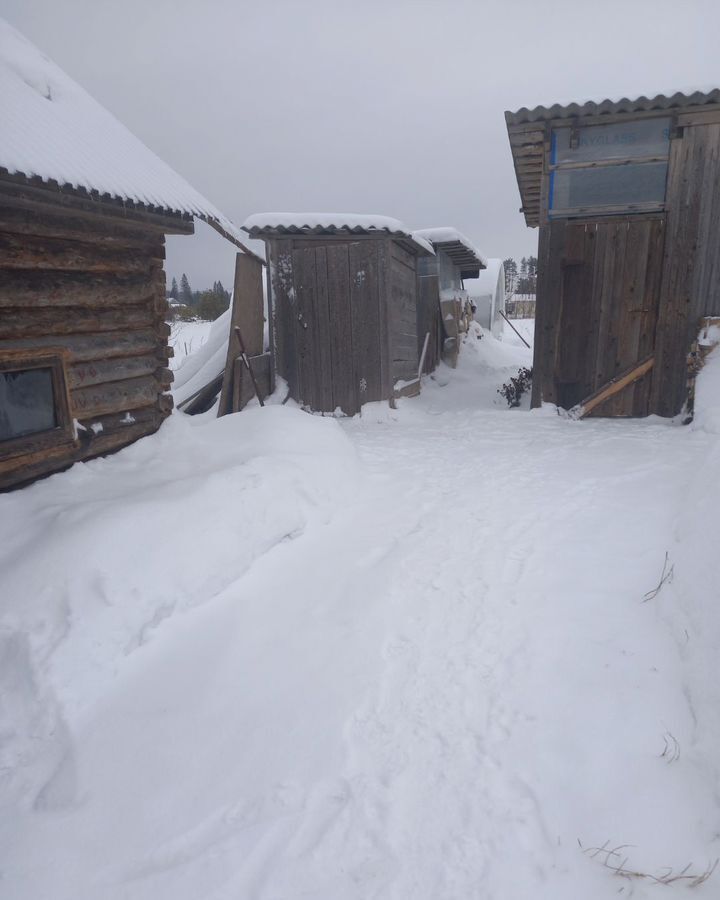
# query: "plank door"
{"points": [[610, 290]]}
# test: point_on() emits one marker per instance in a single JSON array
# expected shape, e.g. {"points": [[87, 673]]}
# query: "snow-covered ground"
{"points": [[408, 655], [187, 338]]}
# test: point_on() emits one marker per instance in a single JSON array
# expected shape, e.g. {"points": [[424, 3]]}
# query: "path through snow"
{"points": [[434, 682]]}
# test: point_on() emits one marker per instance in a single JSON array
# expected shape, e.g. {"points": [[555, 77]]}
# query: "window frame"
{"points": [[650, 206], [53, 358]]}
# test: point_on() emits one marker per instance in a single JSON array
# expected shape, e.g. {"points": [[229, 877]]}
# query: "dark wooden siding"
{"points": [[94, 289], [692, 258], [344, 319], [429, 321], [402, 302], [597, 308], [635, 304]]}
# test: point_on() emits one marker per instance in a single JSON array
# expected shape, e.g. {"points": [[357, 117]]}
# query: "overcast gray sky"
{"points": [[391, 107]]}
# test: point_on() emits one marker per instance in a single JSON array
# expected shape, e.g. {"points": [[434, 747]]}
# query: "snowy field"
{"points": [[187, 338], [415, 655]]}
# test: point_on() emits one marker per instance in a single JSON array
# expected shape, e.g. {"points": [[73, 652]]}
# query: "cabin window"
{"points": [[621, 167], [34, 407]]}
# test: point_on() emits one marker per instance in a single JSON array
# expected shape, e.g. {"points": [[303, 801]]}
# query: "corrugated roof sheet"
{"points": [[330, 223], [611, 107], [53, 129], [458, 247]]}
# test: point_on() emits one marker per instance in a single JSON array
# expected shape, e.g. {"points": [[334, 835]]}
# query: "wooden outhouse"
{"points": [[626, 195], [444, 308], [343, 297], [84, 210]]}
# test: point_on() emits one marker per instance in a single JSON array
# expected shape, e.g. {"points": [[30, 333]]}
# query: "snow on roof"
{"points": [[330, 223], [446, 234], [52, 128], [489, 278]]}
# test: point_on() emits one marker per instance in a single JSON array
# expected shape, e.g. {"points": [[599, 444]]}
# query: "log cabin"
{"points": [[625, 195], [343, 306], [84, 210]]}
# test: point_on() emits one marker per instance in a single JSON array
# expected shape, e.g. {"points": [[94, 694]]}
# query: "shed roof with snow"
{"points": [[54, 133], [290, 223], [458, 247]]}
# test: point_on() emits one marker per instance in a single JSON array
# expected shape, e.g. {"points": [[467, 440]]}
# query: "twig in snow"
{"points": [[614, 859], [671, 750], [665, 578]]}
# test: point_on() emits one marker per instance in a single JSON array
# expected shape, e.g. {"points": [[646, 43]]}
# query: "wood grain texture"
{"points": [[247, 315]]}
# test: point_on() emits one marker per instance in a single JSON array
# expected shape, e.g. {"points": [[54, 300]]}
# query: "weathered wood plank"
{"points": [[284, 314], [344, 374], [114, 397], [20, 289], [402, 317], [24, 323], [90, 230], [98, 346], [321, 335], [613, 387], [247, 315], [16, 191], [84, 374], [303, 262], [365, 307], [32, 252]]}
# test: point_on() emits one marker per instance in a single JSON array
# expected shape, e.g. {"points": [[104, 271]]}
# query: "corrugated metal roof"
{"points": [[611, 107], [52, 129], [261, 224], [458, 247]]}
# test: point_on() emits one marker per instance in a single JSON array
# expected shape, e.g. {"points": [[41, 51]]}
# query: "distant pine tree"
{"points": [[186, 294], [511, 274], [174, 289]]}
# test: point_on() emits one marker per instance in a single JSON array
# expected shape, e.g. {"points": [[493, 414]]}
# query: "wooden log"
{"points": [[16, 190], [21, 289], [92, 230], [37, 253], [613, 387], [85, 374], [99, 346], [24, 323], [114, 396]]}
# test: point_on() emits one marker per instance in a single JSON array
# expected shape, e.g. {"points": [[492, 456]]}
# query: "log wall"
{"points": [[94, 288]]}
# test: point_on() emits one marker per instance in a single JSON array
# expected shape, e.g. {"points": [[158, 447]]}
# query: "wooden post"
{"points": [[247, 315]]}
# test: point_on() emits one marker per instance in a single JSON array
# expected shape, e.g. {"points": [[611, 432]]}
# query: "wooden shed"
{"points": [[84, 210], [343, 298], [444, 306], [626, 196]]}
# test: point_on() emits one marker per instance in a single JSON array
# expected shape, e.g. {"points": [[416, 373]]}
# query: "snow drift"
{"points": [[429, 653]]}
